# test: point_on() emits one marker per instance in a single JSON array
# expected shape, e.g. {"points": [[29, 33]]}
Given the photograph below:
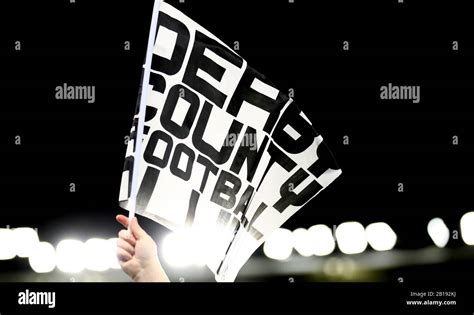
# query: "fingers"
{"points": [[126, 246], [122, 220], [137, 230], [123, 255], [124, 235], [127, 241]]}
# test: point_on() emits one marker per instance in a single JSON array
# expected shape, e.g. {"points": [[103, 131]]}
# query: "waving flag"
{"points": [[225, 156]]}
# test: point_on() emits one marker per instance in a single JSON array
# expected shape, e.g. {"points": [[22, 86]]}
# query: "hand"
{"points": [[137, 253]]}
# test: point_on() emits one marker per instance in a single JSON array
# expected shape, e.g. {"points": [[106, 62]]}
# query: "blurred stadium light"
{"points": [[111, 253], [177, 250], [43, 257], [467, 228], [304, 242], [97, 254], [438, 232], [351, 238], [25, 239], [70, 256], [7, 247], [323, 238], [380, 236], [279, 244]]}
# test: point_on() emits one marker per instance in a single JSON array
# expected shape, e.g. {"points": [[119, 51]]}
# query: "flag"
{"points": [[226, 157]]}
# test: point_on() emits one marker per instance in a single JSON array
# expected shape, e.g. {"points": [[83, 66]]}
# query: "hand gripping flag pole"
{"points": [[141, 111]]}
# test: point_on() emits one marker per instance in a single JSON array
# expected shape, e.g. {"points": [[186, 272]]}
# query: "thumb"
{"points": [[137, 230]]}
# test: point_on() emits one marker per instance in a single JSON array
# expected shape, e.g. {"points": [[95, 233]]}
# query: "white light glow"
{"points": [[189, 247], [112, 253], [467, 228], [380, 236], [303, 242], [7, 246], [25, 239], [70, 256], [438, 232], [351, 237], [97, 254], [279, 244], [176, 250], [42, 258], [323, 239]]}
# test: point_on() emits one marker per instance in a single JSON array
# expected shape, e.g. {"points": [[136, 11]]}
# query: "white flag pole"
{"points": [[137, 155]]}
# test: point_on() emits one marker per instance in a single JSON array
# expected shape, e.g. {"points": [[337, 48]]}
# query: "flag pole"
{"points": [[141, 111]]}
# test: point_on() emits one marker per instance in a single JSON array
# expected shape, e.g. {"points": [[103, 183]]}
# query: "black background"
{"points": [[297, 45]]}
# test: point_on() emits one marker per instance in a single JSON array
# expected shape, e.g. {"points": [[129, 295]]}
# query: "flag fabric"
{"points": [[226, 157]]}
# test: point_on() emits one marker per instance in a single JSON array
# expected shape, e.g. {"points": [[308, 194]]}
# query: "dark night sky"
{"points": [[297, 46]]}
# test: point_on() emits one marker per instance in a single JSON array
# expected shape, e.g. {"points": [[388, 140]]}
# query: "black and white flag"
{"points": [[226, 157]]}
